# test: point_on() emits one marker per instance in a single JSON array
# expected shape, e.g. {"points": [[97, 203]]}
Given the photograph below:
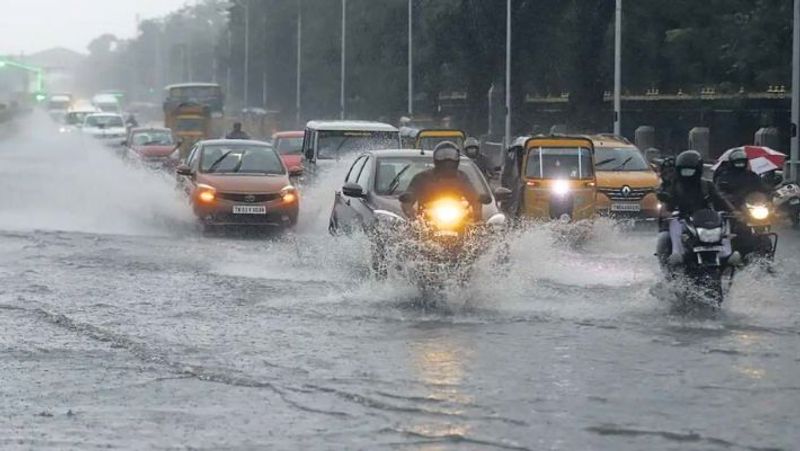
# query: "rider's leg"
{"points": [[675, 231]]}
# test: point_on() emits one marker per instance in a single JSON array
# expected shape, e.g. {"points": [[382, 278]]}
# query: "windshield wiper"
{"points": [[606, 161], [624, 163], [396, 180], [218, 161]]}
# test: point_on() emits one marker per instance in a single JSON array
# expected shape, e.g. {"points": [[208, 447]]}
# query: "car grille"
{"points": [[617, 194], [248, 198]]}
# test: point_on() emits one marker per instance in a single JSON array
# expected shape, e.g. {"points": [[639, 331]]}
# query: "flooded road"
{"points": [[123, 326]]}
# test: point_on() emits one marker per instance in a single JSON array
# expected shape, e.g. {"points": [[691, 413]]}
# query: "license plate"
{"points": [[794, 202], [626, 207], [708, 249], [249, 210]]}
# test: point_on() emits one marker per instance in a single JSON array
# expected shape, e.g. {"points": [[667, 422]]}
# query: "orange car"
{"points": [[239, 182], [626, 184], [290, 147]]}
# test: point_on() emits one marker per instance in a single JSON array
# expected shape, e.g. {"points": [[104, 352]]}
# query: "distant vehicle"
{"points": [[290, 147], [59, 102], [73, 120], [153, 147], [428, 138], [107, 127], [626, 183], [239, 182], [107, 103], [333, 140], [190, 122], [207, 95]]}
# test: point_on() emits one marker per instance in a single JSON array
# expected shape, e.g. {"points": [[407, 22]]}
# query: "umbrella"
{"points": [[762, 159]]}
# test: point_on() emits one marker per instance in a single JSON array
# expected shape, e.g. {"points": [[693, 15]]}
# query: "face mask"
{"points": [[740, 164], [688, 172]]}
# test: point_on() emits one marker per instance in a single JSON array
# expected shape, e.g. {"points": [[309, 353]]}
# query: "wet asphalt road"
{"points": [[122, 326]]}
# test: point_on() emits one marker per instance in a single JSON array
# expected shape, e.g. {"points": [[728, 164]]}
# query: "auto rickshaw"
{"points": [[550, 177], [427, 139]]}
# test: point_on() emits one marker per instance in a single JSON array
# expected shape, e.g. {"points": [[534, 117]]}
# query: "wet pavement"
{"points": [[123, 326]]}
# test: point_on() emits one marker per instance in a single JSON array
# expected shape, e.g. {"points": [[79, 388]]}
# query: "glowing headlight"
{"points": [[289, 194], [560, 187], [206, 193], [447, 213], [710, 235], [758, 212]]}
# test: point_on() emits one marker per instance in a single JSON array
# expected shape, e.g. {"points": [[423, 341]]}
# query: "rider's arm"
{"points": [[721, 203], [411, 196]]}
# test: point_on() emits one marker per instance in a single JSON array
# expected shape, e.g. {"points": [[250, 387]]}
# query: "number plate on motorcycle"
{"points": [[249, 210], [626, 206], [708, 248]]}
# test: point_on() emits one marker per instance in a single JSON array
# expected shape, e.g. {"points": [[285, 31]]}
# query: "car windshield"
{"points": [[335, 144], [108, 107], [387, 181], [289, 146], [189, 124], [559, 163], [240, 159], [620, 159], [104, 121], [153, 138]]}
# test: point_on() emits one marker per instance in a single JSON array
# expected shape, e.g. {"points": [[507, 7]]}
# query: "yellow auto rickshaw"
{"points": [[550, 177], [427, 139]]}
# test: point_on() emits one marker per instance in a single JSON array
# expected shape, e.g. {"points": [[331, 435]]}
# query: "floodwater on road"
{"points": [[122, 325]]}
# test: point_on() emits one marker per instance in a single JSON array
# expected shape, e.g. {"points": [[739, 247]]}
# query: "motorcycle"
{"points": [[754, 237], [786, 199], [707, 261]]}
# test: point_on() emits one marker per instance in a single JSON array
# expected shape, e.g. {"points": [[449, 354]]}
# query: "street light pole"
{"points": [[299, 60], [618, 71], [343, 73], [507, 135], [246, 53], [795, 152], [410, 58]]}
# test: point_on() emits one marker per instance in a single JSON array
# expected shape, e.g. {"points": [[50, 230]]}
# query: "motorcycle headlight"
{"points": [[758, 212], [560, 187], [447, 213], [709, 235]]}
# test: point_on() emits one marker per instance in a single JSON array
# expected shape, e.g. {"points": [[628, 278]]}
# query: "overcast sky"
{"points": [[33, 25]]}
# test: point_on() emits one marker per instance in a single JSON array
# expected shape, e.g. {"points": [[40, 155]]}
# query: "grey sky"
{"points": [[32, 25]]}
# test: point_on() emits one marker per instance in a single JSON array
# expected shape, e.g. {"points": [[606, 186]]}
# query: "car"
{"points": [[108, 128], [107, 103], [325, 142], [366, 191], [239, 182], [153, 147], [626, 183], [73, 121], [289, 145]]}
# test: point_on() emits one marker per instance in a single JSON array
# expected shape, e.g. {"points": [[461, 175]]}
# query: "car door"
{"points": [[185, 182], [343, 217], [361, 207]]}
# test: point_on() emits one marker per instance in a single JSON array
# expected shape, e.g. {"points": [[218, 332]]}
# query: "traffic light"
{"points": [[40, 96]]}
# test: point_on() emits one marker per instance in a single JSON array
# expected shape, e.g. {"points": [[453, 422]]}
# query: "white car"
{"points": [[107, 127], [107, 103], [73, 121]]}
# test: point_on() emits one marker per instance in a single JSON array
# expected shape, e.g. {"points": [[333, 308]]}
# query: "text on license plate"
{"points": [[249, 210], [629, 206]]}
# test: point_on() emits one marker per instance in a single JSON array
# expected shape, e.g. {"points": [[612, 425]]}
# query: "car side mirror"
{"points": [[183, 169], [352, 190], [309, 154], [296, 171], [502, 194]]}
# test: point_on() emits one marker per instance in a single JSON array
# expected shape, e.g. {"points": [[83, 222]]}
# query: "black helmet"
{"points": [[738, 159], [689, 164]]}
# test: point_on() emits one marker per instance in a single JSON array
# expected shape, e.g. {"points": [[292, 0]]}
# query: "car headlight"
{"points": [[560, 187], [447, 213], [206, 193], [758, 212], [289, 194], [709, 235]]}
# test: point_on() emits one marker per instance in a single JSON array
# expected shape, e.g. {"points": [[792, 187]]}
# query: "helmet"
{"points": [[472, 147], [446, 155], [738, 159], [689, 164]]}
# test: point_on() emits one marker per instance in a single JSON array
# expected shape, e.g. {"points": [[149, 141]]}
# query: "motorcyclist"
{"points": [[687, 194], [131, 121], [736, 181], [472, 149], [237, 132], [443, 180]]}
